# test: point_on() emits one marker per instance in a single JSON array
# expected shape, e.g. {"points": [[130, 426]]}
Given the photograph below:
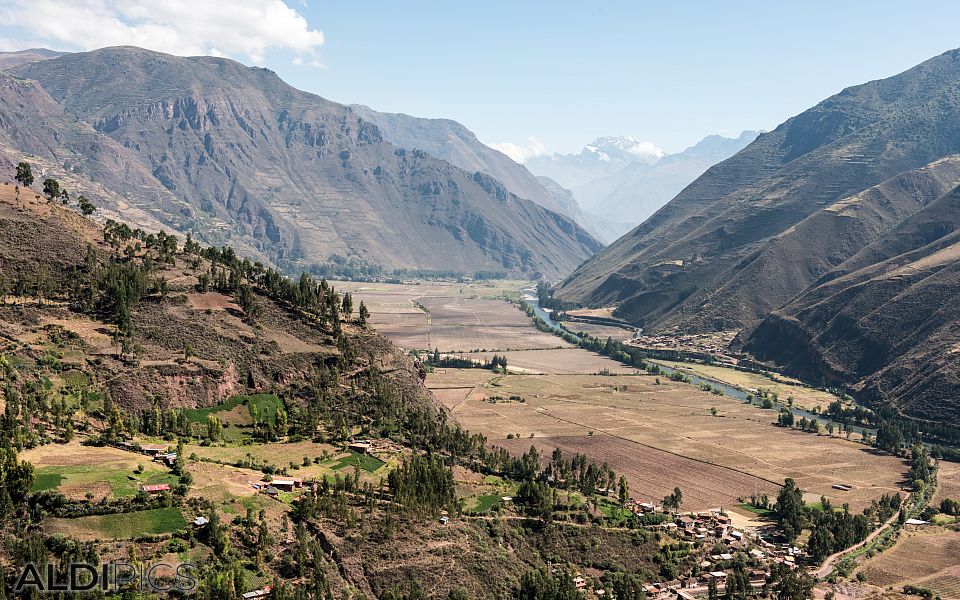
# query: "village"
{"points": [[716, 545]]}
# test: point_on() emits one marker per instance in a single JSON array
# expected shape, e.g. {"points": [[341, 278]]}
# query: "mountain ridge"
{"points": [[290, 177]]}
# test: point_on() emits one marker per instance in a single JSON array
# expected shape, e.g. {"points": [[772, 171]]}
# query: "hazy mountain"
{"points": [[886, 319], [717, 257], [639, 190], [237, 156], [619, 182], [22, 57], [604, 156]]}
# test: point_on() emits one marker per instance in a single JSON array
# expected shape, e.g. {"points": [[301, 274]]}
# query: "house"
{"points": [[153, 450], [444, 520], [737, 535], [915, 522], [271, 491], [684, 595], [758, 575], [156, 489], [360, 447], [287, 485], [261, 593], [719, 576], [580, 582], [200, 521], [168, 458]]}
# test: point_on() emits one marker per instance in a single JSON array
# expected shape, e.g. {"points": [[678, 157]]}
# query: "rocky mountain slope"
{"points": [[450, 141], [886, 320], [735, 244], [235, 155]]}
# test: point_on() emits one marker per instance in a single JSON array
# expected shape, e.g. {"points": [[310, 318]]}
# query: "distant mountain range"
{"points": [[236, 156], [620, 181], [828, 243]]}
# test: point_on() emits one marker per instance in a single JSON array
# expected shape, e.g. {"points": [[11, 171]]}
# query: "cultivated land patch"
{"points": [[665, 435], [449, 316], [118, 526], [103, 472], [566, 361], [927, 556], [784, 387]]}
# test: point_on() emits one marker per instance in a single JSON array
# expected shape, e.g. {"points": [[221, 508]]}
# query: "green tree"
{"points": [[790, 509], [51, 188], [24, 174]]}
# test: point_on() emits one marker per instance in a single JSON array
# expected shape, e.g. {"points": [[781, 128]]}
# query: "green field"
{"points": [[124, 525], [122, 483], [264, 407], [485, 503], [762, 512], [368, 463], [199, 415]]}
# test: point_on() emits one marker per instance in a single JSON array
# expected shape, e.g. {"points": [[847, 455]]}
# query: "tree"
{"points": [[790, 584], [624, 490], [364, 313], [86, 207], [24, 174], [346, 307], [51, 187], [790, 509]]}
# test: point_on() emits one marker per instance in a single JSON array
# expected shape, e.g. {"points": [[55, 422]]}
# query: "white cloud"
{"points": [[242, 29], [521, 153]]}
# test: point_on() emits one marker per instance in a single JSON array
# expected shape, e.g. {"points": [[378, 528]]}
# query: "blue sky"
{"points": [[561, 73]]}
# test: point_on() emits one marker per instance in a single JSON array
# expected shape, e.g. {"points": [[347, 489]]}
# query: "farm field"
{"points": [[928, 557], [449, 316], [804, 397], [76, 471], [566, 361], [665, 435], [119, 526]]}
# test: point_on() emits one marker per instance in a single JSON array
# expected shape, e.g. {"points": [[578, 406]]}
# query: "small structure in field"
{"points": [[153, 450], [287, 484], [156, 489], [360, 446]]}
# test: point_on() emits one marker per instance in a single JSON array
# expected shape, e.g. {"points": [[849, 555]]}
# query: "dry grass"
{"points": [[663, 435], [566, 361], [784, 387], [450, 316], [928, 557]]}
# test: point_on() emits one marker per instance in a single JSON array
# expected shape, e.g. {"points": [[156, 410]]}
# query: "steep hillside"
{"points": [[885, 321], [671, 270], [236, 156], [450, 141]]}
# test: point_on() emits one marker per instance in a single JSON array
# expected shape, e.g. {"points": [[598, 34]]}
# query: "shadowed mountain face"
{"points": [[887, 319], [757, 229], [235, 155]]}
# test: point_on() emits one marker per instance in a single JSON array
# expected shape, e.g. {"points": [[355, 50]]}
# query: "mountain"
{"points": [[734, 244], [886, 320], [235, 155], [621, 181], [21, 57], [450, 141], [638, 190], [604, 156]]}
